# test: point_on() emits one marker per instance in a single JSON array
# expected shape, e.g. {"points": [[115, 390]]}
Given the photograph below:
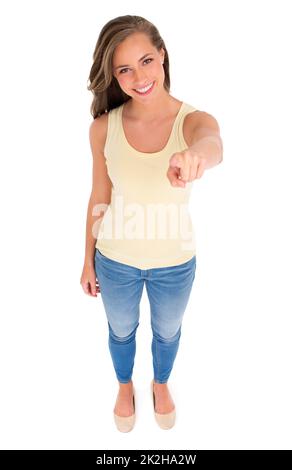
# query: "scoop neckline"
{"points": [[148, 154]]}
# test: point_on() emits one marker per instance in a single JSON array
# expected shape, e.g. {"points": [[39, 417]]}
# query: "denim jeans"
{"points": [[168, 291]]}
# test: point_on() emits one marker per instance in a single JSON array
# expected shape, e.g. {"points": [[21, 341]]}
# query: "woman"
{"points": [[145, 151]]}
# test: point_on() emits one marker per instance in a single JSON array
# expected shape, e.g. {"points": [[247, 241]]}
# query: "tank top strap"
{"points": [[187, 108], [113, 131]]}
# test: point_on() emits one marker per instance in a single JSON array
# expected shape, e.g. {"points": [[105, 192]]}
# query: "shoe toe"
{"points": [[124, 424], [166, 421]]}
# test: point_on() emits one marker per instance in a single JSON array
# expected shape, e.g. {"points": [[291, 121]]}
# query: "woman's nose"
{"points": [[140, 78]]}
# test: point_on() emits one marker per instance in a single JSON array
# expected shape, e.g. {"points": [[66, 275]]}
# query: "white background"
{"points": [[231, 381]]}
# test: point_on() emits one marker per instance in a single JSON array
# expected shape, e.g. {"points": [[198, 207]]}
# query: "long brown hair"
{"points": [[107, 93]]}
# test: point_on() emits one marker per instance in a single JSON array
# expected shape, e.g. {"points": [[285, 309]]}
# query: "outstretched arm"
{"points": [[206, 140], [205, 151]]}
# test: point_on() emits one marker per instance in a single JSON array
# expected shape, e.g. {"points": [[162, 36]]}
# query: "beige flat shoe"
{"points": [[164, 420], [126, 423]]}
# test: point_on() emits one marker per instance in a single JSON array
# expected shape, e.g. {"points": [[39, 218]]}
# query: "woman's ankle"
{"points": [[126, 385]]}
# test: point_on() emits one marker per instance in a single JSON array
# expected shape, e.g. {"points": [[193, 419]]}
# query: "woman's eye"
{"points": [[143, 61]]}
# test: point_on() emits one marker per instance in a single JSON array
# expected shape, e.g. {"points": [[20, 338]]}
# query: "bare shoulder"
{"points": [[202, 119], [198, 119], [98, 133], [101, 182]]}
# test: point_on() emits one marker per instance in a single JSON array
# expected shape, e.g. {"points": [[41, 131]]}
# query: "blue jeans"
{"points": [[121, 288]]}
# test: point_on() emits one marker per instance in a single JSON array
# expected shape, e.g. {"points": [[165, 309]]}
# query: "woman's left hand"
{"points": [[184, 167]]}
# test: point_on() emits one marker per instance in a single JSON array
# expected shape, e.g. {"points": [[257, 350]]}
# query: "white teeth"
{"points": [[143, 90]]}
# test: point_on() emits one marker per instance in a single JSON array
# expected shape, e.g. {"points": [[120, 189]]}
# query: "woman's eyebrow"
{"points": [[127, 65]]}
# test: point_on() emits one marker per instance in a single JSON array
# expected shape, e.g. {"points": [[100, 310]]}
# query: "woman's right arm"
{"points": [[100, 194]]}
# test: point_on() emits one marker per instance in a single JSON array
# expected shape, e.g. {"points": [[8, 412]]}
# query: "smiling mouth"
{"points": [[147, 90]]}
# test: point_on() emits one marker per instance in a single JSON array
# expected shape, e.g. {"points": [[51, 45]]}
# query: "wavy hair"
{"points": [[107, 93]]}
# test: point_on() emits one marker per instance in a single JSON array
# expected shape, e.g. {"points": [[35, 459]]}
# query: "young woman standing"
{"points": [[148, 147]]}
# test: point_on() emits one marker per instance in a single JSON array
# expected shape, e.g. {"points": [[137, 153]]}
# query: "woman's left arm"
{"points": [[205, 151]]}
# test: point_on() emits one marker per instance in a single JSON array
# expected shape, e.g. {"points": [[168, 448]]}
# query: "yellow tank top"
{"points": [[147, 224]]}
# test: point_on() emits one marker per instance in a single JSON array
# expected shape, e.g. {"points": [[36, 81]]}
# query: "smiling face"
{"points": [[136, 64]]}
